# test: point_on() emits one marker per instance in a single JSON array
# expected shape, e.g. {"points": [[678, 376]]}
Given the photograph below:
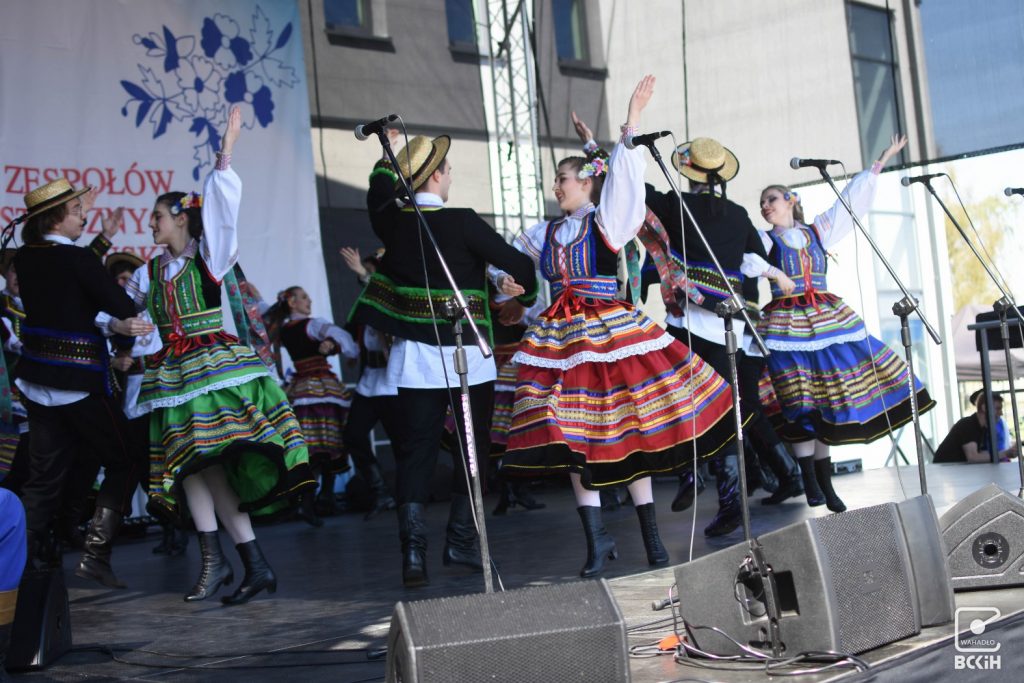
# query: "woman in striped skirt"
{"points": [[834, 383], [603, 393], [222, 435]]}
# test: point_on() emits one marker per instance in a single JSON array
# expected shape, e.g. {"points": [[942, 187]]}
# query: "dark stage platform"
{"points": [[338, 586]]}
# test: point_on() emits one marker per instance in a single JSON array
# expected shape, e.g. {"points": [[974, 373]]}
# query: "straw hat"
{"points": [[424, 156], [699, 157], [50, 195], [119, 257]]}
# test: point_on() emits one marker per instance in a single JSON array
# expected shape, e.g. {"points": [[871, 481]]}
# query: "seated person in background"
{"points": [[968, 440]]}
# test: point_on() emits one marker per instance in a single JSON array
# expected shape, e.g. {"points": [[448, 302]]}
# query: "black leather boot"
{"points": [[382, 500], [326, 505], [412, 533], [787, 472], [823, 472], [656, 553], [600, 545], [216, 571], [460, 546], [729, 515], [686, 493], [307, 509], [513, 494], [258, 575], [95, 562], [814, 495], [166, 540]]}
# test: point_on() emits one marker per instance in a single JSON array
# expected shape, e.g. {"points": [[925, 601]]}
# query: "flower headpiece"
{"points": [[791, 195], [193, 200], [596, 165]]}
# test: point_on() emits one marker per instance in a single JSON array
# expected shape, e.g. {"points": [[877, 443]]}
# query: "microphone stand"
{"points": [[727, 309], [902, 309], [456, 309], [1002, 306]]}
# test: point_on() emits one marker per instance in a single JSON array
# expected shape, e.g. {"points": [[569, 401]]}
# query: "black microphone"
{"points": [[365, 130], [905, 182], [646, 139], [1010, 191], [797, 162]]}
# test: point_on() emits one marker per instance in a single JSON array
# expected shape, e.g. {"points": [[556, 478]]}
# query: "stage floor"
{"points": [[338, 586]]}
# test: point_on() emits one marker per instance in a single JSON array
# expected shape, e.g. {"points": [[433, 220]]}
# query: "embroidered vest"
{"points": [[806, 266]]}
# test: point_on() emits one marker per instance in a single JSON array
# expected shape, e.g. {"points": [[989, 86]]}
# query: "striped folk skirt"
{"points": [[233, 415], [829, 379], [321, 406], [603, 391]]}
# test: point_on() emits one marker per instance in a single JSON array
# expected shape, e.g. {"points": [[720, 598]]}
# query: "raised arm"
{"points": [[836, 223], [222, 195], [621, 212]]}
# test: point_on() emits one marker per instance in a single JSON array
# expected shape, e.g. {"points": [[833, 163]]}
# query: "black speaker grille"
{"points": [[870, 576], [569, 632]]}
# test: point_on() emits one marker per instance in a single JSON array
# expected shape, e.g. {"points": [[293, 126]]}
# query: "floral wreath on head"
{"points": [[193, 200], [596, 165], [791, 194]]}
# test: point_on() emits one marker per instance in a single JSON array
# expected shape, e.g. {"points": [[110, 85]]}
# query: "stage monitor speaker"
{"points": [[41, 632], [845, 583], [565, 632], [984, 536], [995, 335]]}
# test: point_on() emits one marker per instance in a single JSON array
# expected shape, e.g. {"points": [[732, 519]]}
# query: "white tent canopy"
{"points": [[968, 358]]}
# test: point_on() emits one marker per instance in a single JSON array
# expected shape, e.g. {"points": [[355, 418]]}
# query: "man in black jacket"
{"points": [[64, 373], [734, 241], [405, 299]]}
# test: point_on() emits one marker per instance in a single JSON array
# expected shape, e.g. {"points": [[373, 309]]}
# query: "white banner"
{"points": [[131, 97]]}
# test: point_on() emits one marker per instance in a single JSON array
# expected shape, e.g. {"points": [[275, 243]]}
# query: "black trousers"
{"points": [[56, 434], [422, 414], [748, 369], [364, 413]]}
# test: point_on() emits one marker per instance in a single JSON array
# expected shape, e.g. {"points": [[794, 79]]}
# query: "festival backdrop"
{"points": [[131, 97]]}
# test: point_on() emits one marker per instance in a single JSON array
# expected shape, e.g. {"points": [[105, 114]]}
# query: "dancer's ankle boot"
{"points": [[787, 472], [686, 493], [656, 553], [258, 575], [729, 515], [382, 500], [412, 533], [216, 571], [823, 471], [99, 540], [813, 492], [460, 546], [307, 509], [326, 505], [600, 545]]}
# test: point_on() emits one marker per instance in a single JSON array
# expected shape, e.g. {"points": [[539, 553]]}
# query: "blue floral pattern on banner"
{"points": [[199, 86]]}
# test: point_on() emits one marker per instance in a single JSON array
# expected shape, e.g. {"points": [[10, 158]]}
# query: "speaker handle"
{"points": [[771, 602]]}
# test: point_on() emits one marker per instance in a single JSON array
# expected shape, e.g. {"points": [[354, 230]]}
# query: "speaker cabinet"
{"points": [[984, 536], [847, 583], [41, 632], [566, 632]]}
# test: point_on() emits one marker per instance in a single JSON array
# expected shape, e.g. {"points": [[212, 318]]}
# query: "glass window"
{"points": [[346, 14], [874, 66], [461, 27], [974, 52], [570, 30]]}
